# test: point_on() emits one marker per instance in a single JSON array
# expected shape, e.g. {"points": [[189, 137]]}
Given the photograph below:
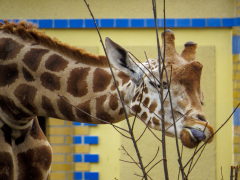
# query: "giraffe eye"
{"points": [[157, 85]]}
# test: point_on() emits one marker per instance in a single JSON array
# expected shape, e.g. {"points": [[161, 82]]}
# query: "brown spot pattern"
{"points": [[113, 102], [84, 111], [6, 166], [121, 111], [124, 77], [101, 112], [32, 162], [144, 116], [48, 107], [26, 95], [10, 108], [27, 75], [9, 48], [9, 74], [136, 108], [155, 121], [50, 81], [153, 106], [145, 90], [135, 96], [101, 80], [146, 101], [65, 109], [33, 58], [77, 84], [56, 63]]}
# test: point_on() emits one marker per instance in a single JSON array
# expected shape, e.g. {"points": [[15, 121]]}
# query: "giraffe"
{"points": [[41, 75]]}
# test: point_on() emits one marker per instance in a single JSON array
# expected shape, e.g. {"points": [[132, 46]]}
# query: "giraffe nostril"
{"points": [[201, 118]]}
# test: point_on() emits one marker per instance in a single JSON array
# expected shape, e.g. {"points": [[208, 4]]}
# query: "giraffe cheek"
{"points": [[187, 140]]}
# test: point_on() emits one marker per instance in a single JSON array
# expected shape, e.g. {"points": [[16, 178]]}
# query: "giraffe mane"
{"points": [[30, 32]]}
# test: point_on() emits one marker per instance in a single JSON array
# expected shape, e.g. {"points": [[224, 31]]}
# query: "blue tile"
{"points": [[235, 44], [150, 23], [197, 23], [214, 22], [77, 158], [91, 158], [137, 23], [1, 21], [90, 139], [76, 23], [235, 21], [236, 117], [34, 21], [45, 23], [91, 175], [170, 23], [238, 21], [60, 23], [77, 139], [107, 23], [227, 22], [77, 175], [183, 23], [77, 123], [122, 23], [86, 124], [89, 23]]}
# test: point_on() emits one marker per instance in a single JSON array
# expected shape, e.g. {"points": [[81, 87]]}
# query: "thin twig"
{"points": [[153, 158], [125, 112], [161, 89]]}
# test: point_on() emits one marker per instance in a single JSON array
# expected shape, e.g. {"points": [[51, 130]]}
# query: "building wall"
{"points": [[236, 87], [208, 23]]}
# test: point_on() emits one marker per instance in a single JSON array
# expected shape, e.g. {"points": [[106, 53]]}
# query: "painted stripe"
{"points": [[91, 158], [236, 117], [91, 175], [136, 23], [235, 44], [77, 158], [90, 139], [78, 175]]}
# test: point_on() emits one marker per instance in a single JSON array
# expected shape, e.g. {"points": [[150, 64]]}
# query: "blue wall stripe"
{"points": [[91, 158], [236, 117], [235, 44], [77, 158], [90, 139], [137, 23], [77, 139], [78, 176], [91, 175]]}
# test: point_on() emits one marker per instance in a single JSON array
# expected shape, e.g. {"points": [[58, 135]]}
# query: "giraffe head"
{"points": [[184, 74]]}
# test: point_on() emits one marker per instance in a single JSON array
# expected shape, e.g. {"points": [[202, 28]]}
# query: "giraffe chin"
{"points": [[191, 137]]}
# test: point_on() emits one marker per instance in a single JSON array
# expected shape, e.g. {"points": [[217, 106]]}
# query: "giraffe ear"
{"points": [[119, 58]]}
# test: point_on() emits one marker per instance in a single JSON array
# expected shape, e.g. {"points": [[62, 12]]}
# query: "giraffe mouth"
{"points": [[191, 137], [196, 135]]}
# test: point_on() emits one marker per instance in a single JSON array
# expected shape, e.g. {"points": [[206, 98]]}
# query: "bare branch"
{"points": [[122, 102]]}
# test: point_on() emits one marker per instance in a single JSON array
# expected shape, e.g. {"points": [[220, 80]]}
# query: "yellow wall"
{"points": [[119, 9], [220, 39], [109, 166]]}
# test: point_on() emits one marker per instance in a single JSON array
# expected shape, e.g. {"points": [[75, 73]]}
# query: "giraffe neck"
{"points": [[36, 80]]}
